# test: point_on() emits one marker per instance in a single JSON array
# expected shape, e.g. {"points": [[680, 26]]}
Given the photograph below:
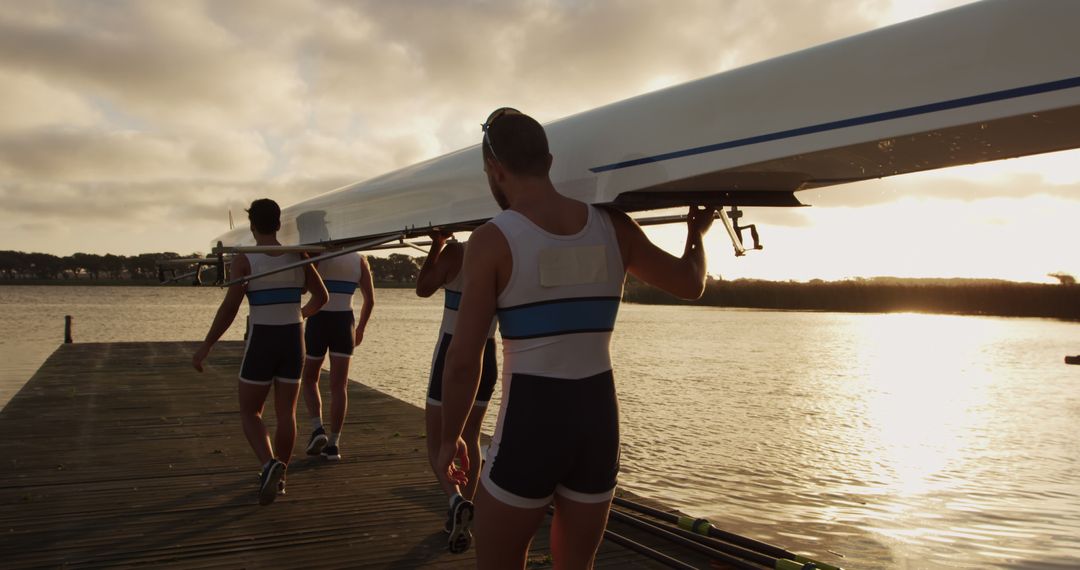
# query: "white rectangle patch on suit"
{"points": [[580, 265]]}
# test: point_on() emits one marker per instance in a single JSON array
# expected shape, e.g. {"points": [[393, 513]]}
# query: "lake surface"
{"points": [[899, 441]]}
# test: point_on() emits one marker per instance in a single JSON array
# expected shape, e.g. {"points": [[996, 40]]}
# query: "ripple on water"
{"points": [[893, 440]]}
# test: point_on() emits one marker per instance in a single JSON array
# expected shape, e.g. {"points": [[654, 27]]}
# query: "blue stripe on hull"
{"points": [[343, 287], [561, 316], [854, 121], [274, 296]]}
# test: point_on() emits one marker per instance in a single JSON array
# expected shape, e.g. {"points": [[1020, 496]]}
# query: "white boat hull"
{"points": [[992, 80]]}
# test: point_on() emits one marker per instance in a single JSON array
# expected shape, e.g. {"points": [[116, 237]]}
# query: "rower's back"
{"points": [[556, 314], [275, 299]]}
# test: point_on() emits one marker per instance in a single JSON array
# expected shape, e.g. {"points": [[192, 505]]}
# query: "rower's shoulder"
{"points": [[240, 262], [485, 234], [487, 240]]}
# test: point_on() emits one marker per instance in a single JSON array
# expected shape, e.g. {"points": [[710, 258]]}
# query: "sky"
{"points": [[136, 126]]}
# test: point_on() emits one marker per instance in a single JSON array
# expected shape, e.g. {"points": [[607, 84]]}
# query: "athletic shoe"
{"points": [[317, 442], [331, 453], [268, 481], [461, 519], [449, 524]]}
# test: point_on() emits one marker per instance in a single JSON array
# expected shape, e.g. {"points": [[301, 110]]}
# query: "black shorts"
{"points": [[274, 352], [555, 435], [488, 373], [331, 330]]}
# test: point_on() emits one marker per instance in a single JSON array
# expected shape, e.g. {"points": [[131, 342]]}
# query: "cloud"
{"points": [[28, 102], [149, 121], [91, 154], [321, 155], [274, 64], [940, 187], [960, 189], [94, 202], [454, 62], [169, 63]]}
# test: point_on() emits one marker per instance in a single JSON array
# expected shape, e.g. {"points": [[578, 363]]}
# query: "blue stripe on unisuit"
{"points": [[560, 316], [343, 287], [274, 296], [453, 300]]}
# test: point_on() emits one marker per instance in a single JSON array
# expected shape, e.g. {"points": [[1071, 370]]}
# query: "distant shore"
{"points": [[882, 295], [875, 295], [148, 283]]}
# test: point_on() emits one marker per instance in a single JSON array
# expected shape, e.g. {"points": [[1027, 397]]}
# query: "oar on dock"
{"points": [[646, 551], [730, 554], [640, 548], [704, 528]]}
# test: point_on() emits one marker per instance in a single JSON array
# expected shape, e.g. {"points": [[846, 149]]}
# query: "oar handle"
{"points": [[705, 528], [639, 548], [645, 550], [740, 560]]}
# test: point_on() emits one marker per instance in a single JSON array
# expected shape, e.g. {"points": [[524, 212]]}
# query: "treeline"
{"points": [[18, 266], [883, 295], [876, 295]]}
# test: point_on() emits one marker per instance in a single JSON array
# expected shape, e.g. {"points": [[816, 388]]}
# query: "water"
{"points": [[899, 441]]}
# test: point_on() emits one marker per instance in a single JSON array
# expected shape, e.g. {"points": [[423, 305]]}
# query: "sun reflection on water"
{"points": [[919, 418], [870, 441]]}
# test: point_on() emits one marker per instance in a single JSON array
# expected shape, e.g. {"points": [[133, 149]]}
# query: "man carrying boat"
{"points": [[552, 269], [442, 268], [331, 330], [274, 355]]}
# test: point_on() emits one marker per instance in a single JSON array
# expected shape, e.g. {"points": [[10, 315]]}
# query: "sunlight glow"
{"points": [[903, 10], [1021, 238], [1058, 168], [922, 402]]}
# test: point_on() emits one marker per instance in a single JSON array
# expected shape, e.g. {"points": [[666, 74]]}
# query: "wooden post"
{"points": [[67, 330]]}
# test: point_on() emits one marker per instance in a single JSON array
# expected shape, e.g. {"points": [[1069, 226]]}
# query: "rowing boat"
{"points": [[985, 81]]}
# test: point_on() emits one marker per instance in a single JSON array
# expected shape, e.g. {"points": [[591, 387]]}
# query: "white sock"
{"points": [[316, 423], [334, 439]]}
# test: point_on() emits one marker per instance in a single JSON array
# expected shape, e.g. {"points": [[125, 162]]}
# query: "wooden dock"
{"points": [[121, 455]]}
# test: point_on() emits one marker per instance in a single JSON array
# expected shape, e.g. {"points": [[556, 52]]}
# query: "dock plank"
{"points": [[119, 454]]}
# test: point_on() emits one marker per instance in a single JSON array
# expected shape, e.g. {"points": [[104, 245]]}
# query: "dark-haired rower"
{"points": [[331, 330], [552, 269], [274, 355], [442, 268]]}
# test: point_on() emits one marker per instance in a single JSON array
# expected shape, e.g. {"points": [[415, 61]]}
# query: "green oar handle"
{"points": [[645, 550], [740, 558], [712, 543], [705, 528], [639, 548]]}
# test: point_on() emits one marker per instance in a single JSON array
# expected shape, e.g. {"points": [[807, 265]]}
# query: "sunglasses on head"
{"points": [[486, 126]]}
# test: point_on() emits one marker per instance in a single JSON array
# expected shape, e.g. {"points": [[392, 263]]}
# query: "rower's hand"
{"points": [[199, 357], [452, 463], [307, 311], [359, 338], [440, 237], [699, 219]]}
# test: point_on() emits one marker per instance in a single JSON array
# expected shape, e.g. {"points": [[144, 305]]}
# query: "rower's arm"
{"points": [[440, 263], [367, 291], [313, 284], [461, 373], [683, 276], [226, 313]]}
